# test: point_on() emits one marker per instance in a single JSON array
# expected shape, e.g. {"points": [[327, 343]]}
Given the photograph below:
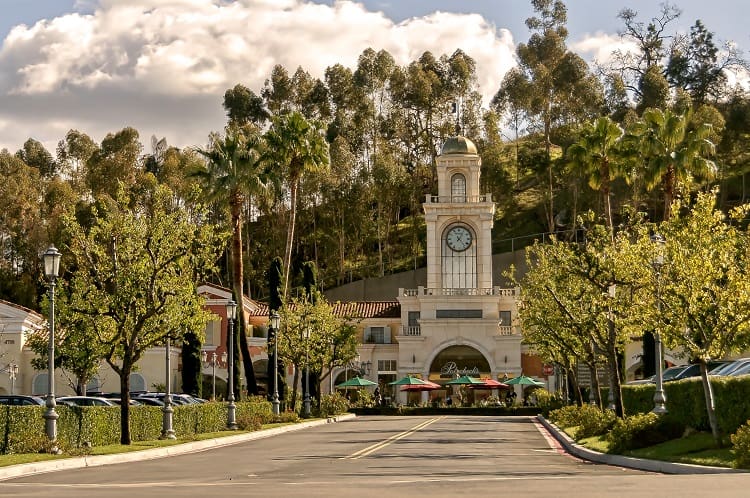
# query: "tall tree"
{"points": [[704, 310], [596, 156], [233, 172], [556, 85], [138, 264], [671, 152], [296, 147]]}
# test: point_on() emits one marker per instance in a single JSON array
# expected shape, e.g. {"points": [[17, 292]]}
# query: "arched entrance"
{"points": [[451, 363]]}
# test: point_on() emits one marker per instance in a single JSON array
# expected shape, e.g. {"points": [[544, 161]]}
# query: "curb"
{"points": [[25, 469], [630, 462]]}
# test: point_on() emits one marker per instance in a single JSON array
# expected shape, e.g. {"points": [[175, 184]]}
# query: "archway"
{"points": [[452, 362]]}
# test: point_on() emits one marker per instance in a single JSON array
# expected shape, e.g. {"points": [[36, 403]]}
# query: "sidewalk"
{"points": [[25, 469], [630, 462]]}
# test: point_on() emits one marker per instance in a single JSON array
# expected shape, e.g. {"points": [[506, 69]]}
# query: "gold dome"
{"points": [[458, 145]]}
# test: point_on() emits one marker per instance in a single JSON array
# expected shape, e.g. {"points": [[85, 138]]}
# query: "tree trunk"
{"points": [[708, 393], [296, 383], [290, 234], [239, 293], [125, 401]]}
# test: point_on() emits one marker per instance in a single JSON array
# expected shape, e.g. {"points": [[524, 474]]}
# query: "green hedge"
{"points": [[22, 428], [686, 403]]}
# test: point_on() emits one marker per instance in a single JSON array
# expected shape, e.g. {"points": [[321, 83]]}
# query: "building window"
{"points": [[213, 333], [459, 257], [458, 188], [505, 318], [386, 366], [377, 335], [458, 313], [39, 385], [137, 382]]}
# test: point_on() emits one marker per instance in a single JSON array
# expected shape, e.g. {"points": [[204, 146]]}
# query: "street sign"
{"points": [[548, 370]]}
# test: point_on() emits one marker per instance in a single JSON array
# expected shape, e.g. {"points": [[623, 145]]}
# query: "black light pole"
{"points": [[273, 321], [231, 408], [307, 372], [51, 259], [167, 432], [660, 399]]}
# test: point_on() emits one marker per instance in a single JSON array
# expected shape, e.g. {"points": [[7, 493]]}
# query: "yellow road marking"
{"points": [[375, 447]]}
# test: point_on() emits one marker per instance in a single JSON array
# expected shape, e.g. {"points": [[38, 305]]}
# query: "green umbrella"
{"points": [[356, 382], [465, 379], [524, 381], [408, 381]]}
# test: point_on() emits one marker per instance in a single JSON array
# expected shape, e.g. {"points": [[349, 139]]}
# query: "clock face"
{"points": [[458, 239]]}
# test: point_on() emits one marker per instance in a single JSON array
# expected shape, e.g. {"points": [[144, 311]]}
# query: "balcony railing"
{"points": [[436, 291], [411, 330], [459, 199]]}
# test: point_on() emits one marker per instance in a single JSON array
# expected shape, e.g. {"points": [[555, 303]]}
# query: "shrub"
{"points": [[548, 401], [333, 404], [642, 430], [741, 446], [567, 416], [248, 421], [593, 421]]}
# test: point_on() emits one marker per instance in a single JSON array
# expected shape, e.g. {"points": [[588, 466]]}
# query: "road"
{"points": [[380, 457]]}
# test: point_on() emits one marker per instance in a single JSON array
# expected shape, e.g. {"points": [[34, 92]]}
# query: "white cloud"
{"points": [[162, 66], [600, 47]]}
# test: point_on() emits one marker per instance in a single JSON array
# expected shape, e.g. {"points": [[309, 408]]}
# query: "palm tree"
{"points": [[596, 155], [671, 152], [296, 146], [233, 172]]}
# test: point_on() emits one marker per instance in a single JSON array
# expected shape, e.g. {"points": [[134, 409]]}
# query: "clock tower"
{"points": [[459, 323]]}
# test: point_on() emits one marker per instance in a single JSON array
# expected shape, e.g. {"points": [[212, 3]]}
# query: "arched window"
{"points": [[137, 382], [458, 188], [39, 385], [459, 260], [94, 385]]}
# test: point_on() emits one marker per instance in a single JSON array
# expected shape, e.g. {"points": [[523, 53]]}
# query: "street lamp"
{"points": [[51, 259], [660, 399], [212, 361], [231, 315], [12, 373], [273, 322], [307, 372], [167, 432]]}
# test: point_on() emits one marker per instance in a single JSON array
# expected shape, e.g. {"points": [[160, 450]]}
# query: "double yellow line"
{"points": [[375, 447]]}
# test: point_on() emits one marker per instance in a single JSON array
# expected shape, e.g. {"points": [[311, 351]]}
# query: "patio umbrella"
{"points": [[356, 382], [524, 381], [428, 386], [465, 379], [408, 381], [489, 384]]}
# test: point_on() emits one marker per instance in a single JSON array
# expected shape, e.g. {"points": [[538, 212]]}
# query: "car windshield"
{"points": [[673, 372]]}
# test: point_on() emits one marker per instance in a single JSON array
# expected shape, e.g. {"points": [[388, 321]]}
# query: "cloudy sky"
{"points": [[162, 66]]}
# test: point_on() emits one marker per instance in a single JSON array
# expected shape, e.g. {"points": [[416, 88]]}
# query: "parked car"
{"points": [[20, 400], [84, 401], [742, 369], [149, 401], [729, 367], [177, 399], [694, 370]]}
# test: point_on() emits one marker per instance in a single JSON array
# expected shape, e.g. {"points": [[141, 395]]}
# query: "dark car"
{"points": [[694, 370], [20, 400]]}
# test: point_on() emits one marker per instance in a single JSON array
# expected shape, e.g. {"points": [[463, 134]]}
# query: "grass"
{"points": [[696, 449], [111, 449]]}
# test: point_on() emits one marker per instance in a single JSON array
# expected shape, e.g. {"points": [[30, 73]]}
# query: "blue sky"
{"points": [[162, 66]]}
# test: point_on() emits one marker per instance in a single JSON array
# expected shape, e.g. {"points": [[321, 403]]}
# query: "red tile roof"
{"points": [[354, 309]]}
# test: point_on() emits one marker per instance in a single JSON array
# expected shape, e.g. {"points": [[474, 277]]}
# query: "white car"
{"points": [[84, 401]]}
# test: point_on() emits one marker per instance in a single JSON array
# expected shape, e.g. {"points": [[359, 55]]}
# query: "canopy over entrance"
{"points": [[458, 361]]}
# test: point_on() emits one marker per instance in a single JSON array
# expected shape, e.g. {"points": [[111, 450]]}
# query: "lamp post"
{"points": [[167, 432], [212, 361], [307, 373], [12, 374], [51, 259], [660, 399], [231, 314], [273, 321]]}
